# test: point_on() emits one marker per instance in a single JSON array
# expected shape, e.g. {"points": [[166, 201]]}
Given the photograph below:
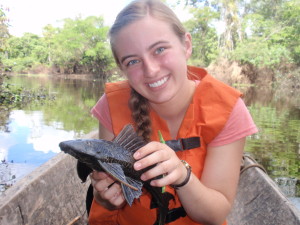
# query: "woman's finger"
{"points": [[102, 184], [110, 190], [147, 149], [162, 168], [96, 175], [158, 153]]}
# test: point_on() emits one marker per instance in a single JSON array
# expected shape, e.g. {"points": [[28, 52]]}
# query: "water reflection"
{"points": [[29, 135], [276, 146], [31, 130], [28, 144]]}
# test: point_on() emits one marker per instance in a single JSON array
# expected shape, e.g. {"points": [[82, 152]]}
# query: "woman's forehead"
{"points": [[144, 32]]}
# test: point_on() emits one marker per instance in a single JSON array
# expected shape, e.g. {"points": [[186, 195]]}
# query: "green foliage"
{"points": [[9, 96], [259, 53], [22, 53], [290, 15], [205, 40], [271, 35], [276, 141], [80, 46], [264, 33], [4, 34]]}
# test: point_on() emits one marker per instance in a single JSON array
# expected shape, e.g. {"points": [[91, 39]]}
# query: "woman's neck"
{"points": [[174, 110]]}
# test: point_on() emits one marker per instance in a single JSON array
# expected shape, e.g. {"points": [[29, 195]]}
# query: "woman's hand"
{"points": [[107, 191], [166, 161]]}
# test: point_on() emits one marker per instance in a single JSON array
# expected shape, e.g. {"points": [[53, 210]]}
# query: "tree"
{"points": [[81, 45], [49, 33], [3, 37], [24, 52], [272, 27], [4, 34], [228, 11], [264, 33], [205, 39]]}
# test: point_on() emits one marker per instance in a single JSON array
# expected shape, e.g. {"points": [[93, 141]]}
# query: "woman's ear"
{"points": [[188, 45]]}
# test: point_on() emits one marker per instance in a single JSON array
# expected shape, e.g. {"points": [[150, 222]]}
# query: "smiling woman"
{"points": [[163, 94]]}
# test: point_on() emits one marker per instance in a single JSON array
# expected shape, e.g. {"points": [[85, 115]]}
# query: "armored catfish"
{"points": [[116, 158]]}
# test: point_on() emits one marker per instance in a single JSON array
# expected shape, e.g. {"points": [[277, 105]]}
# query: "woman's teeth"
{"points": [[159, 83]]}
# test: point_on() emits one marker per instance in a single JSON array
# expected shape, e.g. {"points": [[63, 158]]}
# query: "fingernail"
{"points": [[137, 165], [137, 155]]}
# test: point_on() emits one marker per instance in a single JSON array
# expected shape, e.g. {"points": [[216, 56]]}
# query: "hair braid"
{"points": [[140, 114]]}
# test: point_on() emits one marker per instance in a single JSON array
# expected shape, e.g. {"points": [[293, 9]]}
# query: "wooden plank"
{"points": [[52, 194], [259, 201]]}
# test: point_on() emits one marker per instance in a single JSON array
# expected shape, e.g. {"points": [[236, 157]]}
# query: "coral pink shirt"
{"points": [[239, 124]]}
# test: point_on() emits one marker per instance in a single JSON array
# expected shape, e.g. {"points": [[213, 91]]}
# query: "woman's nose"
{"points": [[151, 67]]}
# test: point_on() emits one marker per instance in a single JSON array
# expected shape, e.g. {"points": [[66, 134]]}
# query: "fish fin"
{"points": [[83, 171], [129, 139], [116, 171], [129, 193]]}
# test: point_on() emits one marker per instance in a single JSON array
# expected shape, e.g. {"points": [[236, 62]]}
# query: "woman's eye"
{"points": [[159, 50], [132, 62]]}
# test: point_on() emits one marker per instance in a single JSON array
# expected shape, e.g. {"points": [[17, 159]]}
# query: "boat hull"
{"points": [[53, 194]]}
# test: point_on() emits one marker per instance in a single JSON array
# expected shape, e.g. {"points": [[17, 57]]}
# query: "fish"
{"points": [[116, 158]]}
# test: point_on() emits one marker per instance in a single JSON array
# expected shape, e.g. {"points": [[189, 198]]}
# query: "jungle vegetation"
{"points": [[260, 33]]}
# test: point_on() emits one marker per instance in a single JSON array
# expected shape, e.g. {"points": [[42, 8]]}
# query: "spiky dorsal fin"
{"points": [[129, 139]]}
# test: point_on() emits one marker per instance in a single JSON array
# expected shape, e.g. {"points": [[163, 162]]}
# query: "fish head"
{"points": [[85, 147]]}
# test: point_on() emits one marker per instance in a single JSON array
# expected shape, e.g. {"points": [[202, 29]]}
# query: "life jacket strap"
{"points": [[175, 214], [184, 143]]}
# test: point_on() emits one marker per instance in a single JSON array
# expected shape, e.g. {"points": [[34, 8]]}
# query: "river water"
{"points": [[29, 135]]}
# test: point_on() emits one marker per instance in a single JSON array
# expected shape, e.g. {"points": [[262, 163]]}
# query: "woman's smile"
{"points": [[159, 83]]}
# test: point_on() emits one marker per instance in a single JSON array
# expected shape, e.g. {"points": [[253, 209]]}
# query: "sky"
{"points": [[32, 15]]}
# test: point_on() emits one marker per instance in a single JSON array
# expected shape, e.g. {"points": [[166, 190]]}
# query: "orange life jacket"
{"points": [[206, 115]]}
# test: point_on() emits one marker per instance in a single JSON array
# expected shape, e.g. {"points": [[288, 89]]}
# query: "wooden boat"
{"points": [[53, 194]]}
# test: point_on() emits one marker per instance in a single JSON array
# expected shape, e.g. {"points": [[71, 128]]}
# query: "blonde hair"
{"points": [[140, 9], [133, 12]]}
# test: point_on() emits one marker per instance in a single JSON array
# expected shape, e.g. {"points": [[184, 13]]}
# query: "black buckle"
{"points": [[175, 214], [184, 143]]}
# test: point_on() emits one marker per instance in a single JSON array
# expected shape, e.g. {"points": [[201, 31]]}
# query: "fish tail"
{"points": [[161, 201]]}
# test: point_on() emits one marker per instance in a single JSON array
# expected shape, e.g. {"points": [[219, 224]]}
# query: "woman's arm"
{"points": [[214, 194], [207, 200]]}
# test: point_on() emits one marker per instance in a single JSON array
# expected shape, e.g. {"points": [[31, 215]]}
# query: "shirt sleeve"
{"points": [[240, 124], [101, 112]]}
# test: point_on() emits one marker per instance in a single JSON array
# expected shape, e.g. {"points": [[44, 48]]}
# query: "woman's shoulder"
{"points": [[240, 124]]}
